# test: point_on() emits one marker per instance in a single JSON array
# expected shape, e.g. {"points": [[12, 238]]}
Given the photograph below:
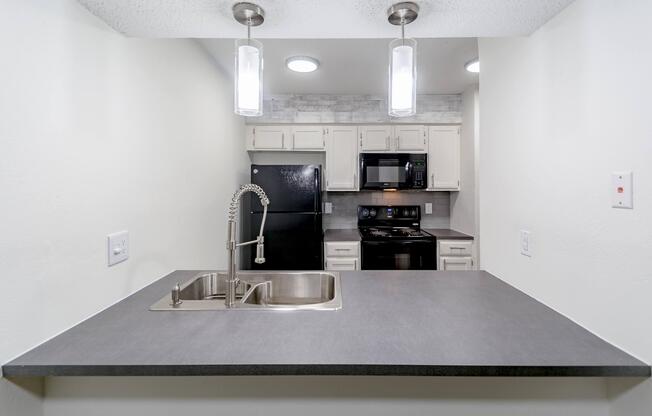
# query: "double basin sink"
{"points": [[271, 290]]}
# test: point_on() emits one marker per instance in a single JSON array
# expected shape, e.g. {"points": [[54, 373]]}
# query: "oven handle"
{"points": [[375, 243]]}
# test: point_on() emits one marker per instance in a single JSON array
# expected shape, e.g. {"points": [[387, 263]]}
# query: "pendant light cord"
{"points": [[403, 30], [249, 31]]}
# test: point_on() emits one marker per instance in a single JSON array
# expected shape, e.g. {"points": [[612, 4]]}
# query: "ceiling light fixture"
{"points": [[302, 64], [248, 97], [402, 97], [473, 66]]}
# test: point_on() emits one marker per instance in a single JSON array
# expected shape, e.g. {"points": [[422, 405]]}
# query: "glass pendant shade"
{"points": [[248, 77], [402, 95]]}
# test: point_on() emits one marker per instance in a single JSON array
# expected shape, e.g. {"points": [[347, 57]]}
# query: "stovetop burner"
{"points": [[392, 232], [386, 222]]}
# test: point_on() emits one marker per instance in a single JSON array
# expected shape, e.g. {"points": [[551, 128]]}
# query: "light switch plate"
{"points": [[621, 190], [118, 247], [328, 207], [428, 207], [525, 243]]}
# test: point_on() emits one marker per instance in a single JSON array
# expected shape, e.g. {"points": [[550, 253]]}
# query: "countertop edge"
{"points": [[10, 370]]}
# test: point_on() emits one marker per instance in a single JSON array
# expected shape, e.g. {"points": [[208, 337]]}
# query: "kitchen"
{"points": [[119, 117]]}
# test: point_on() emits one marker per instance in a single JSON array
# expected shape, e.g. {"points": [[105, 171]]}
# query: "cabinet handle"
{"points": [[387, 143], [283, 140], [432, 180], [398, 142]]}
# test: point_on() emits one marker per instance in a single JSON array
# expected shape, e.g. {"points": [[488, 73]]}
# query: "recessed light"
{"points": [[473, 66], [302, 64]]}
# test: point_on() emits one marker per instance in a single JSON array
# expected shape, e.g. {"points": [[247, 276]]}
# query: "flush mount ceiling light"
{"points": [[248, 97], [302, 64], [402, 97], [473, 66]]}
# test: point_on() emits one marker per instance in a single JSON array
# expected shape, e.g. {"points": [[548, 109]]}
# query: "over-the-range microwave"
{"points": [[393, 171]]}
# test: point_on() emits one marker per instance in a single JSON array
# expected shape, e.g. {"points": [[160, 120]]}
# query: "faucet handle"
{"points": [[260, 252]]}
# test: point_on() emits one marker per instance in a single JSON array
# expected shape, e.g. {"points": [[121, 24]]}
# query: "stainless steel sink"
{"points": [[273, 290]]}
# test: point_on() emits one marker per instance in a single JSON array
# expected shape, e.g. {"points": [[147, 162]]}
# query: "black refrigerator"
{"points": [[293, 229]]}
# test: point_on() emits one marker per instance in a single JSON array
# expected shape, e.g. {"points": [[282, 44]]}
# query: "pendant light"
{"points": [[248, 97], [402, 97]]}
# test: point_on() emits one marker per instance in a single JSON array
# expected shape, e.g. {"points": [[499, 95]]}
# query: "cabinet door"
{"points": [[341, 264], [375, 138], [268, 138], [410, 139], [455, 263], [341, 158], [444, 158], [308, 137]]}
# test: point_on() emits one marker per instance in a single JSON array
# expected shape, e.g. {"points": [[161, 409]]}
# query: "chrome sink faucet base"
{"points": [[232, 245]]}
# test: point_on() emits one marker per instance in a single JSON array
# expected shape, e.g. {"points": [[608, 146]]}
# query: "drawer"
{"points": [[341, 264], [342, 249], [455, 263], [456, 248]]}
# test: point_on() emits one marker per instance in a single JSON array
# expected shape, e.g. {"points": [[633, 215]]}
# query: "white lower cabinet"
{"points": [[342, 255], [455, 255], [455, 263]]}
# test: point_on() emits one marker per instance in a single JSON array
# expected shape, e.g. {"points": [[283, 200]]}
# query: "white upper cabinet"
{"points": [[397, 139], [375, 138], [342, 158], [311, 138], [410, 139], [444, 158], [267, 138]]}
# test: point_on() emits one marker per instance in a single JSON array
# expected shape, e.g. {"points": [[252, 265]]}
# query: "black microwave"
{"points": [[393, 171]]}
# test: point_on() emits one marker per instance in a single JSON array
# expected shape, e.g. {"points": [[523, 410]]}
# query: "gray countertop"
{"points": [[447, 234], [392, 323], [342, 235]]}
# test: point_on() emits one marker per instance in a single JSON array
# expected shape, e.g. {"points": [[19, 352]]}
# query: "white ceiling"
{"points": [[355, 66], [324, 19]]}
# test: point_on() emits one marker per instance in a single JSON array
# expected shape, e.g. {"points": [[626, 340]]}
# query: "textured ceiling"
{"points": [[356, 66], [304, 19]]}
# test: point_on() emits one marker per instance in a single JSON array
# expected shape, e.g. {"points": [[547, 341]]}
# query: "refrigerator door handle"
{"points": [[317, 191]]}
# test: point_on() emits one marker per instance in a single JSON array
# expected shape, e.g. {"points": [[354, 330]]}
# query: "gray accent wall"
{"points": [[345, 206], [331, 108]]}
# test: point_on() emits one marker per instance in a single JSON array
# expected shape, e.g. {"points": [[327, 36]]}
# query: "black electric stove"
{"points": [[392, 239]]}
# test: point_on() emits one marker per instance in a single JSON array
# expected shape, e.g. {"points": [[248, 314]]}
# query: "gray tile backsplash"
{"points": [[345, 206], [331, 108]]}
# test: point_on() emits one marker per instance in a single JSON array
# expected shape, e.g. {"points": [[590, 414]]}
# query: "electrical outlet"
{"points": [[428, 207], [621, 190], [328, 207], [118, 247], [525, 243]]}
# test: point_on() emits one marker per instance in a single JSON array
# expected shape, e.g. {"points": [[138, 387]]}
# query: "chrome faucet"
{"points": [[232, 245]]}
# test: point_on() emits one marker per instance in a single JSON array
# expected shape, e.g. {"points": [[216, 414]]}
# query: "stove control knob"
{"points": [[365, 213], [414, 212], [372, 212]]}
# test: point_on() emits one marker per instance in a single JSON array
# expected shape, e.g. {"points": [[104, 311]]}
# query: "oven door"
{"points": [[385, 171], [399, 255]]}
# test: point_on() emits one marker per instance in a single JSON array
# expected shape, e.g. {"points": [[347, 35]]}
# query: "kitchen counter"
{"points": [[421, 323], [341, 235], [447, 234]]}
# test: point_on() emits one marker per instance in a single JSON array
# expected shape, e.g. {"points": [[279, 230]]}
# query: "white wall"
{"points": [[100, 133], [561, 110], [463, 203]]}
